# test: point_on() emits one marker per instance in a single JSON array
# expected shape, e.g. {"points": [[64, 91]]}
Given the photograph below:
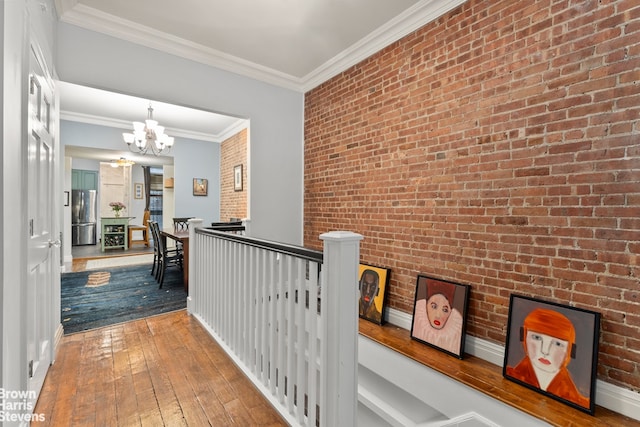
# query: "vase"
{"points": [[117, 214]]}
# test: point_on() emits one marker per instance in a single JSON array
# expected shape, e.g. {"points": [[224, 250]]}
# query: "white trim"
{"points": [[413, 18], [233, 130], [95, 20], [608, 396], [56, 341], [470, 418], [618, 399], [123, 124], [410, 20]]}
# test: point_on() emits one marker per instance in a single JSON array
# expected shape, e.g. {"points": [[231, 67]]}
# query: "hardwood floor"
{"points": [[159, 371]]}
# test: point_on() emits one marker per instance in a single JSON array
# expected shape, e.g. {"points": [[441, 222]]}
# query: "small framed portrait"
{"points": [[138, 190], [553, 349], [200, 186], [237, 178], [372, 285], [439, 314]]}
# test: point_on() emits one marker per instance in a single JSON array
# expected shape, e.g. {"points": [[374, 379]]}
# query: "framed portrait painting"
{"points": [[200, 186], [439, 314], [372, 285], [553, 349]]}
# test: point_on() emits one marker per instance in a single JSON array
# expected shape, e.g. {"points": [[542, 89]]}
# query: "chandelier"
{"points": [[148, 136], [122, 162]]}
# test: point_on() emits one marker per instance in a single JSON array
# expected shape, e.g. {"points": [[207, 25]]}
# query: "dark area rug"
{"points": [[95, 298]]}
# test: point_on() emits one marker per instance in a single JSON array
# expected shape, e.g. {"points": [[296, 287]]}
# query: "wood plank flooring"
{"points": [[160, 371]]}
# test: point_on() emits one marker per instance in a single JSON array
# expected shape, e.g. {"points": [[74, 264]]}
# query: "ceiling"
{"points": [[290, 43]]}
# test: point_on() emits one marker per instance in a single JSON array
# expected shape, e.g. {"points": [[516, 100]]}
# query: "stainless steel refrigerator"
{"points": [[83, 217]]}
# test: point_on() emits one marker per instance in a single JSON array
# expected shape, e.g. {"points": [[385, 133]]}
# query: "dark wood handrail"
{"points": [[297, 251]]}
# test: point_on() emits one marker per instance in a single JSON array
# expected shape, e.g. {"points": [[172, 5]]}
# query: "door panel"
{"points": [[42, 242]]}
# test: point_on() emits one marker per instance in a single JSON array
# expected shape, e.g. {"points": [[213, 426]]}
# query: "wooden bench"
{"points": [[487, 378]]}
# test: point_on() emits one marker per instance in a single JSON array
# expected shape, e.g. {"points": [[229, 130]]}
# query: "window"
{"points": [[155, 191]]}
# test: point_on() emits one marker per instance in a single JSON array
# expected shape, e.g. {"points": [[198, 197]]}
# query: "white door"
{"points": [[42, 242]]}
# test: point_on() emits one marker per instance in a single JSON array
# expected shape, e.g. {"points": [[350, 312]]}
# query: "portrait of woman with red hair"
{"points": [[549, 344], [438, 315]]}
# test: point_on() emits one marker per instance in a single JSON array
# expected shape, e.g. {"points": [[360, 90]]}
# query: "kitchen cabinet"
{"points": [[84, 179]]}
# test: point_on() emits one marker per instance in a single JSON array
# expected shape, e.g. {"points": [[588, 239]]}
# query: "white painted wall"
{"points": [[276, 152], [196, 159]]}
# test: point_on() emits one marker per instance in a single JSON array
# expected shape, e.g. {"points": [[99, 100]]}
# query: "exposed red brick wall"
{"points": [[499, 147], [233, 152]]}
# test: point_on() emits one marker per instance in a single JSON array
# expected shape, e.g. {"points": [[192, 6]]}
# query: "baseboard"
{"points": [[57, 339], [608, 396]]}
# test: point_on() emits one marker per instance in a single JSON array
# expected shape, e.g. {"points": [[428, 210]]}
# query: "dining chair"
{"points": [[144, 228], [181, 223], [155, 235], [168, 257], [163, 257]]}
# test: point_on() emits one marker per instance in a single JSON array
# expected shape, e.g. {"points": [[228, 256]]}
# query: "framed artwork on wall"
{"points": [[439, 314], [200, 186], [372, 285], [138, 190], [237, 178], [553, 349]]}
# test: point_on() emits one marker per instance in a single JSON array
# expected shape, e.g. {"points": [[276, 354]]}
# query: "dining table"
{"points": [[180, 236]]}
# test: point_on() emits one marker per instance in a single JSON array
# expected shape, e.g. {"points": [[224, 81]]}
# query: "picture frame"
{"points": [[200, 186], [373, 282], [237, 178], [555, 345], [440, 314], [138, 190]]}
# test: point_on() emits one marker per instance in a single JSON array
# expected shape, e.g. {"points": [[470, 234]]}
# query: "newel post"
{"points": [[194, 275], [340, 309]]}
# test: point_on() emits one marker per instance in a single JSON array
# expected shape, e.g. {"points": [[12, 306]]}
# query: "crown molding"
{"points": [[95, 20], [420, 14], [126, 125], [233, 130], [64, 5], [407, 22]]}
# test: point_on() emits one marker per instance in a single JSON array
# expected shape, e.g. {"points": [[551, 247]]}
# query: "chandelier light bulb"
{"points": [[151, 124], [148, 136]]}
